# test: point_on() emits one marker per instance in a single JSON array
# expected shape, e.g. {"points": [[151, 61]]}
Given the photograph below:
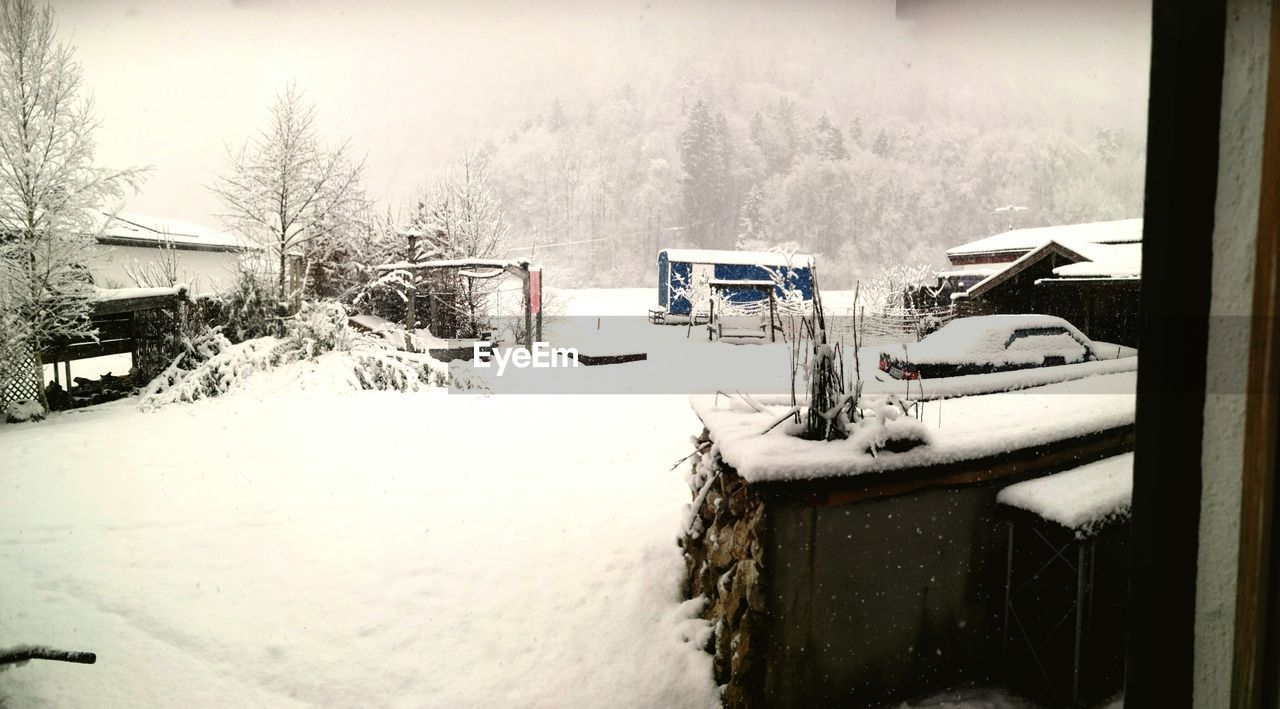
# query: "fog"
{"points": [[414, 84]]}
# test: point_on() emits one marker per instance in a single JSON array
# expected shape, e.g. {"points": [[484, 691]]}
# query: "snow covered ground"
{"points": [[357, 549], [292, 545]]}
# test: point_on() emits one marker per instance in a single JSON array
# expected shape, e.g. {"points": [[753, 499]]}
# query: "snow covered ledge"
{"points": [[799, 547], [965, 429]]}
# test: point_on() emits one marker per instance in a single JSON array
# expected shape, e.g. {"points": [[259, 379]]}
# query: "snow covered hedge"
{"points": [[211, 364]]}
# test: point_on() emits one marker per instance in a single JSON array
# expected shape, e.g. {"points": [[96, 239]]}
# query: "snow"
{"points": [[19, 411], [1110, 350], [1069, 235], [985, 339], [960, 429], [102, 295], [93, 367], [984, 271], [1080, 499], [285, 547], [157, 230], [738, 258], [1106, 261], [1013, 380], [455, 263], [294, 542], [372, 323]]}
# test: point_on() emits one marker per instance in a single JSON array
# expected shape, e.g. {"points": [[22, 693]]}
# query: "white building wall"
{"points": [[204, 271]]}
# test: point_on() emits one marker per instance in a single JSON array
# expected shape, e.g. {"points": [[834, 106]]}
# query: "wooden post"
{"points": [[772, 336], [433, 313], [711, 316], [295, 283], [528, 312], [410, 314], [67, 364]]}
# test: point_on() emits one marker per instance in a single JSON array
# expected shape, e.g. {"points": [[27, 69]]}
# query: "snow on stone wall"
{"points": [[724, 555]]}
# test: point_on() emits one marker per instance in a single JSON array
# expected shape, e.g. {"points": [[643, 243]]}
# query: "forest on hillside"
{"points": [[734, 154]]}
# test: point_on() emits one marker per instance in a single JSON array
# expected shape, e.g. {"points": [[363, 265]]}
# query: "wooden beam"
{"points": [[1183, 126], [1255, 608], [88, 349], [130, 305]]}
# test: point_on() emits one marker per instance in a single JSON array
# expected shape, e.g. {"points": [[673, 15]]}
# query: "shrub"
{"points": [[211, 364]]}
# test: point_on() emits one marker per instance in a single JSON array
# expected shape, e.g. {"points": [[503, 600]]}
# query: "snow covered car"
{"points": [[992, 343]]}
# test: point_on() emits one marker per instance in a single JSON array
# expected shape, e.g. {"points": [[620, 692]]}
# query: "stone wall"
{"points": [[724, 552]]}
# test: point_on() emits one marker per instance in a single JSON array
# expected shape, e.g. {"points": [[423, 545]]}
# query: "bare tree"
{"points": [[287, 192], [50, 192], [163, 270]]}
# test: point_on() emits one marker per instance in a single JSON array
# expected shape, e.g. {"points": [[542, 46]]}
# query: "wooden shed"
{"points": [[1080, 276], [682, 270]]}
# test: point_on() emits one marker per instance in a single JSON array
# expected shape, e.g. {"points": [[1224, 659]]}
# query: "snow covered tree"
{"points": [[829, 140], [51, 195], [705, 153], [752, 226], [464, 220], [289, 193]]}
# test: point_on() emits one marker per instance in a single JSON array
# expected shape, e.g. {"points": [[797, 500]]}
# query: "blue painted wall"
{"points": [[676, 273]]}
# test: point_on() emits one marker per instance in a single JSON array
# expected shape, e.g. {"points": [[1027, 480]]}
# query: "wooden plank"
{"points": [[130, 305], [1256, 571], [88, 349], [116, 328], [596, 360]]}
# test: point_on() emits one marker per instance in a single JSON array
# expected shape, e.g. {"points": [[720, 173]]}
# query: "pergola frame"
{"points": [[479, 268]]}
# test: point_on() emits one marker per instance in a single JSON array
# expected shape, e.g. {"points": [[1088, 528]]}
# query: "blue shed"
{"points": [[681, 268]]}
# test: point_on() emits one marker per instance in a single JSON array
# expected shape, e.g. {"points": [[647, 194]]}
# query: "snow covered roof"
{"points": [[128, 229], [1106, 261], [1015, 267], [1082, 498], [967, 271], [1124, 231], [739, 258]]}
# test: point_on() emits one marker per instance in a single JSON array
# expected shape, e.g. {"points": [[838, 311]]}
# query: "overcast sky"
{"points": [[174, 82]]}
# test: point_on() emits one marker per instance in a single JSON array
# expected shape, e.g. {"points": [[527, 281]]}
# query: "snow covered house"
{"points": [[134, 246], [683, 273], [1089, 274]]}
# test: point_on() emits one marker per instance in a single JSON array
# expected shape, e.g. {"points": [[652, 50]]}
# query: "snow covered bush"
{"points": [[212, 364], [321, 327], [19, 411], [248, 310], [384, 295]]}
